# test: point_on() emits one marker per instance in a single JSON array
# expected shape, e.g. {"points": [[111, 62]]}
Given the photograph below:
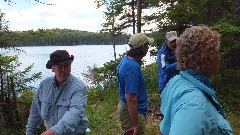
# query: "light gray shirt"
{"points": [[61, 108]]}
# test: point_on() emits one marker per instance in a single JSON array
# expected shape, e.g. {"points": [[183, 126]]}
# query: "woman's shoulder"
{"points": [[184, 91]]}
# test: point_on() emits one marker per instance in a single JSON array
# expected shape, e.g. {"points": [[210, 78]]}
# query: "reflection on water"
{"points": [[84, 56]]}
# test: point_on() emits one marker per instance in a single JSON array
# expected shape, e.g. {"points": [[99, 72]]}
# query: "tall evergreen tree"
{"points": [[12, 81]]}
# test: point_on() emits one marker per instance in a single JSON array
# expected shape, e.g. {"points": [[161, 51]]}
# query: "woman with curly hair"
{"points": [[189, 103]]}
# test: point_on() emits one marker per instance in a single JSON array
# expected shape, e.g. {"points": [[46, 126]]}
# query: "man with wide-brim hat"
{"points": [[60, 63], [60, 100], [59, 57]]}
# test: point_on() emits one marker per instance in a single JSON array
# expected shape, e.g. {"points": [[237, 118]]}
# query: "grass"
{"points": [[234, 119], [103, 119], [102, 114]]}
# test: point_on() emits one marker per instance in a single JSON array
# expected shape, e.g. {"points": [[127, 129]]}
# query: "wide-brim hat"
{"points": [[59, 57]]}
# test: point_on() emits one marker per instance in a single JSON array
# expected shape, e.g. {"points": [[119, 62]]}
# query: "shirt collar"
{"points": [[65, 82], [204, 84], [200, 81]]}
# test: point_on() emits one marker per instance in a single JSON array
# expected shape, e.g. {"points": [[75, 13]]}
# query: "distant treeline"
{"points": [[68, 37]]}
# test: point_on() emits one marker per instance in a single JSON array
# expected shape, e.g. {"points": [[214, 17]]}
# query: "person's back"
{"points": [[189, 102], [129, 69], [133, 103], [186, 102]]}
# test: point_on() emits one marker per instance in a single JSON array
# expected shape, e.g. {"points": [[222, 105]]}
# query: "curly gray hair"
{"points": [[193, 44]]}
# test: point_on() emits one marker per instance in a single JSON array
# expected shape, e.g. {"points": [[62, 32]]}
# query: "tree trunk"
{"points": [[1, 81], [133, 16], [139, 14]]}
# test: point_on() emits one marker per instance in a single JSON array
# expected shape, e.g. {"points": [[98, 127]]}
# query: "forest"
{"points": [[220, 15], [67, 37]]}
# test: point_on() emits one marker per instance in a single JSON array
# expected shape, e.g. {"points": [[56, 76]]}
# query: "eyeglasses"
{"points": [[219, 50]]}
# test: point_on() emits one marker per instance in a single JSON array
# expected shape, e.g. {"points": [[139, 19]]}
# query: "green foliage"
{"points": [[13, 85], [3, 31], [63, 37], [102, 104], [225, 27], [151, 79], [105, 75], [233, 118], [159, 39], [21, 79], [227, 84], [26, 96], [117, 16], [221, 15], [101, 111], [121, 15]]}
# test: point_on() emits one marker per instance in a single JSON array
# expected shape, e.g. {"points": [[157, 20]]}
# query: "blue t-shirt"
{"points": [[131, 80]]}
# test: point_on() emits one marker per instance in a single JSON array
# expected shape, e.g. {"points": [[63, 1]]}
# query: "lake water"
{"points": [[84, 56]]}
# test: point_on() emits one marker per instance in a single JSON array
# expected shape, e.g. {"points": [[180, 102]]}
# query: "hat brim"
{"points": [[172, 38], [64, 63], [150, 40], [50, 63]]}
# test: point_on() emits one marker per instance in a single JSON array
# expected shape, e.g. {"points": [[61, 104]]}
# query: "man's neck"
{"points": [[137, 59], [59, 81]]}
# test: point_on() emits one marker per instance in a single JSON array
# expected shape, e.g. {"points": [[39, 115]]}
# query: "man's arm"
{"points": [[34, 117], [165, 65], [71, 119], [133, 110]]}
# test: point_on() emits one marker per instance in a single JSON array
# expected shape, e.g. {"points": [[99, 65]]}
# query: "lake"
{"points": [[84, 56]]}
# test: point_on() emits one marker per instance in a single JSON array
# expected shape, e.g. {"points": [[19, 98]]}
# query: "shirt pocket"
{"points": [[63, 106], [46, 109]]}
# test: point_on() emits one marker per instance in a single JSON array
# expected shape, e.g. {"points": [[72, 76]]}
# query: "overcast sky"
{"points": [[70, 14]]}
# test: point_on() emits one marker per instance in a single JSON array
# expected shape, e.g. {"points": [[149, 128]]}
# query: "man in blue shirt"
{"points": [[60, 100], [166, 60], [133, 103]]}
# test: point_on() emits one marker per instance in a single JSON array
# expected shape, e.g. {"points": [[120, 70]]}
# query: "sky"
{"points": [[70, 14]]}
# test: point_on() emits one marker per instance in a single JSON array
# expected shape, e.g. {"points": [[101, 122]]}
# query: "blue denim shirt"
{"points": [[190, 107], [61, 108]]}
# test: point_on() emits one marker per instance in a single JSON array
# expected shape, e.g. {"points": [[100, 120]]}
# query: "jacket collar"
{"points": [[203, 84]]}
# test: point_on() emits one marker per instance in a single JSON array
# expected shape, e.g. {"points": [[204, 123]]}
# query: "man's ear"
{"points": [[143, 47], [52, 68]]}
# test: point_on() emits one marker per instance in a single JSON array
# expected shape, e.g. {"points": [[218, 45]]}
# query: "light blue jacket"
{"points": [[61, 108], [190, 107]]}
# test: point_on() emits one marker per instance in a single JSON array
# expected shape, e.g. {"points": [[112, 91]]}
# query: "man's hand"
{"points": [[132, 130], [133, 111], [48, 132]]}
